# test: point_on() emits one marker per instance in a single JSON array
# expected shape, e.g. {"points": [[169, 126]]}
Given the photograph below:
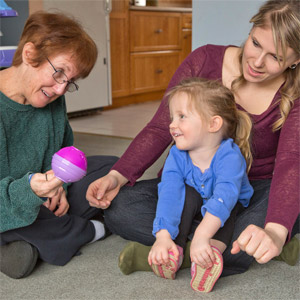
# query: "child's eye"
{"points": [[181, 116]]}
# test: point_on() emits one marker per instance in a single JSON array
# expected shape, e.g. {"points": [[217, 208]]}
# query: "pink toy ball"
{"points": [[69, 164]]}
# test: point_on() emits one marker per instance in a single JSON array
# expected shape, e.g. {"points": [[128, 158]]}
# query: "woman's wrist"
{"points": [[278, 231], [122, 180]]}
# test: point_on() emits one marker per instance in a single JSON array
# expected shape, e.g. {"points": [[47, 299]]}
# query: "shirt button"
{"points": [[202, 186]]}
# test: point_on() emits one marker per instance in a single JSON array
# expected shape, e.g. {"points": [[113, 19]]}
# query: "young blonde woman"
{"points": [[264, 77]]}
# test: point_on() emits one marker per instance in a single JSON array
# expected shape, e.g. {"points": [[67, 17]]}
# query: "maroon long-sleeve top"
{"points": [[275, 154]]}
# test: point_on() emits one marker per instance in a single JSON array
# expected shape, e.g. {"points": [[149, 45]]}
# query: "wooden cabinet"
{"points": [[152, 71], [119, 48], [151, 31], [155, 44], [186, 34], [146, 49]]}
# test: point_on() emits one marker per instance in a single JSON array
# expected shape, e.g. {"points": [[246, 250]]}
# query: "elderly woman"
{"points": [[38, 217]]}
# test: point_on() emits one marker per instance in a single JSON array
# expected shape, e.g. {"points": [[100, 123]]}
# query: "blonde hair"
{"points": [[284, 18], [56, 33], [211, 98]]}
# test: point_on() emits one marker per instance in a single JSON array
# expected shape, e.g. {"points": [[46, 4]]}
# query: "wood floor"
{"points": [[125, 122]]}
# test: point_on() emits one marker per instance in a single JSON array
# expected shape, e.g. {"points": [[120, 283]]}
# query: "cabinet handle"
{"points": [[158, 71], [158, 31]]}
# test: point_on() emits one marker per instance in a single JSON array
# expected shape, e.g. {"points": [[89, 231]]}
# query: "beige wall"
{"points": [[35, 5]]}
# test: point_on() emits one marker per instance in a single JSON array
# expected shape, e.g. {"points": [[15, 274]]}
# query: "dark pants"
{"points": [[58, 239], [132, 212], [191, 218]]}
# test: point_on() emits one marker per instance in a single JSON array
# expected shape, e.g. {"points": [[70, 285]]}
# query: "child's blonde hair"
{"points": [[211, 98]]}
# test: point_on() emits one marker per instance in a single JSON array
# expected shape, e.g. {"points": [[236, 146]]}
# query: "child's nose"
{"points": [[172, 125]]}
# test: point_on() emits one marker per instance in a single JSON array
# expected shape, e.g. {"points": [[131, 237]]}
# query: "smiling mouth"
{"points": [[176, 134], [254, 72], [45, 93]]}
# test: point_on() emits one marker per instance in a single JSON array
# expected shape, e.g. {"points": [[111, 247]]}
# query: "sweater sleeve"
{"points": [[171, 195], [15, 213], [152, 141], [230, 172], [284, 195]]}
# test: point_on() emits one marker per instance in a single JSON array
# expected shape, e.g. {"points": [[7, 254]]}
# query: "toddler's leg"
{"points": [[134, 257], [203, 280], [169, 271], [137, 205], [192, 206]]}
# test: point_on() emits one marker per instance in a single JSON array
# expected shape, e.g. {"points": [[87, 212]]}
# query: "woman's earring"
{"points": [[293, 66]]}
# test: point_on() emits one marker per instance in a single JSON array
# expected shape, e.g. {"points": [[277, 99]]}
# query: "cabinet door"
{"points": [[152, 71], [119, 50], [186, 43], [152, 31], [95, 90]]}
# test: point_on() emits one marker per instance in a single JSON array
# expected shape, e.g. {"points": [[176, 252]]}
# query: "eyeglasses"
{"points": [[60, 77]]}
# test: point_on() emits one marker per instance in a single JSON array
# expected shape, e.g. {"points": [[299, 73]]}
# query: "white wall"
{"points": [[222, 22]]}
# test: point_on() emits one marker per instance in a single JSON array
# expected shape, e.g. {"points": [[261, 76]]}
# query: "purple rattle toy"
{"points": [[69, 164]]}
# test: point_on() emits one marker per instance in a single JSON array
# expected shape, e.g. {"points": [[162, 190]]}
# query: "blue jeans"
{"points": [[132, 212]]}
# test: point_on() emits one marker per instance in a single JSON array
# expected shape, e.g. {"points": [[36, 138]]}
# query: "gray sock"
{"points": [[99, 231]]}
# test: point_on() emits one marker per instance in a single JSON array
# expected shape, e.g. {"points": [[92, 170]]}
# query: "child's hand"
{"points": [[159, 253], [201, 253]]}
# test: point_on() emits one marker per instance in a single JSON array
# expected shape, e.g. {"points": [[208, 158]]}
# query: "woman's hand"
{"points": [[159, 253], [201, 252], [45, 185], [262, 244], [59, 203], [102, 191]]}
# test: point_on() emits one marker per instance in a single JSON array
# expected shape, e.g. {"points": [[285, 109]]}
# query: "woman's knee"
{"points": [[132, 212], [237, 263]]}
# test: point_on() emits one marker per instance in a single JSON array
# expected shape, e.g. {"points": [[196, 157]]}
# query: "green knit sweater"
{"points": [[28, 139]]}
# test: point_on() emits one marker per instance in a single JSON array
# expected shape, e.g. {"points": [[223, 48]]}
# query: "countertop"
{"points": [[161, 8]]}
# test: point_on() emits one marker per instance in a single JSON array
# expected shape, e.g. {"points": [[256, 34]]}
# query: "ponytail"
{"points": [[243, 136]]}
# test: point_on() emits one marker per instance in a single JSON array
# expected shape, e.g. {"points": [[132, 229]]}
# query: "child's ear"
{"points": [[215, 124], [28, 53]]}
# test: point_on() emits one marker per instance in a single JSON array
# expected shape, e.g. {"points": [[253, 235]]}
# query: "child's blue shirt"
{"points": [[220, 186]]}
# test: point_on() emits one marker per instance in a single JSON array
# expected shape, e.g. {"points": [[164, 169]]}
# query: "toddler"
{"points": [[210, 157]]}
